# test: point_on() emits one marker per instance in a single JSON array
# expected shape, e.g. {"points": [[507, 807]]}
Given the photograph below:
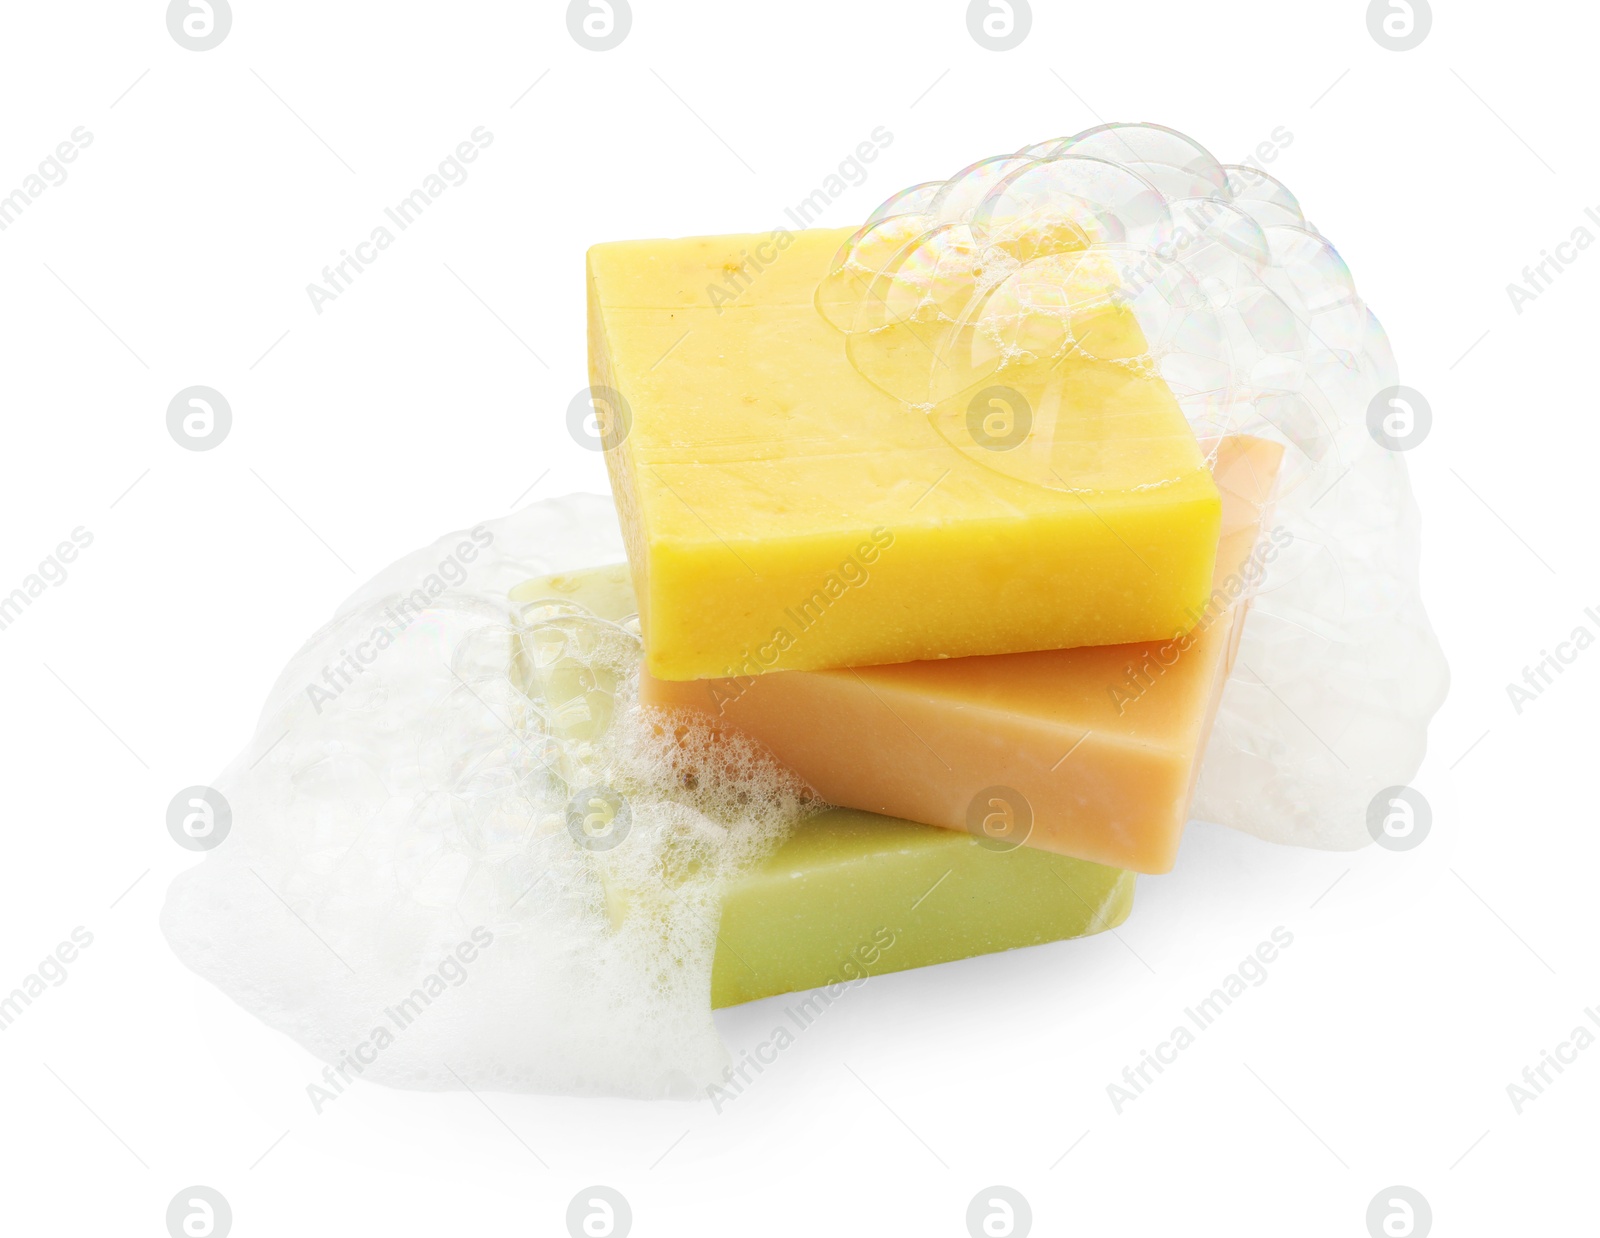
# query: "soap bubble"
{"points": [[1127, 253]]}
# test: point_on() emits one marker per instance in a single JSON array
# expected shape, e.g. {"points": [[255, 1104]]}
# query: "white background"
{"points": [[433, 394]]}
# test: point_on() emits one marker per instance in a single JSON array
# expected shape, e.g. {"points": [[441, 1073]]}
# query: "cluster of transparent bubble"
{"points": [[1010, 268], [409, 794]]}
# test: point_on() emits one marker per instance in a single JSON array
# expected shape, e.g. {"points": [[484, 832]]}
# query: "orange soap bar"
{"points": [[1089, 752]]}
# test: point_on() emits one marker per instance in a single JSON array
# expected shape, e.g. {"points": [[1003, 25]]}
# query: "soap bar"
{"points": [[849, 894], [782, 512], [852, 894], [1089, 752]]}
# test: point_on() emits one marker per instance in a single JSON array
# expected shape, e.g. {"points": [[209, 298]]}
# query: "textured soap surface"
{"points": [[783, 512], [852, 894], [1090, 752]]}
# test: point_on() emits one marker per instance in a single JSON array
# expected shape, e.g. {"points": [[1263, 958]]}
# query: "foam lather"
{"points": [[412, 885], [1009, 269]]}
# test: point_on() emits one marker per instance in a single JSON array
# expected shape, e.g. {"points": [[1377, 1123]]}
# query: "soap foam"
{"points": [[1252, 319], [409, 888]]}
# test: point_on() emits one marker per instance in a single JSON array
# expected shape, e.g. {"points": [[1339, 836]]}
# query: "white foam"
{"points": [[407, 833], [1255, 323]]}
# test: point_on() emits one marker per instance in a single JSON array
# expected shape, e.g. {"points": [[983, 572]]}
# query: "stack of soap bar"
{"points": [[851, 894], [1089, 752], [784, 513]]}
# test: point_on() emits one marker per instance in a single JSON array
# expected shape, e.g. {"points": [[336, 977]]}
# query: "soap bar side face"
{"points": [[1098, 746], [783, 513], [852, 895], [619, 464]]}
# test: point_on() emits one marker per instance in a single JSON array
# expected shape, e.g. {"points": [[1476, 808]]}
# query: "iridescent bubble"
{"points": [[1173, 162], [1011, 301]]}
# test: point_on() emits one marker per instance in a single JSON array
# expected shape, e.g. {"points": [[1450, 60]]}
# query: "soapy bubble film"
{"points": [[1023, 264], [428, 772]]}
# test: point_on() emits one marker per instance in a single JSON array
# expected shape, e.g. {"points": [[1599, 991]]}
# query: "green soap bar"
{"points": [[849, 894], [852, 894]]}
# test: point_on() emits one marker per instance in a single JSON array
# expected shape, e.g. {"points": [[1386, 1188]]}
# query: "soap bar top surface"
{"points": [[783, 512]]}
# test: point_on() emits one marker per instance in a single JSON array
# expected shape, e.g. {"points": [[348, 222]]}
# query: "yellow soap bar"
{"points": [[782, 512], [1087, 752]]}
